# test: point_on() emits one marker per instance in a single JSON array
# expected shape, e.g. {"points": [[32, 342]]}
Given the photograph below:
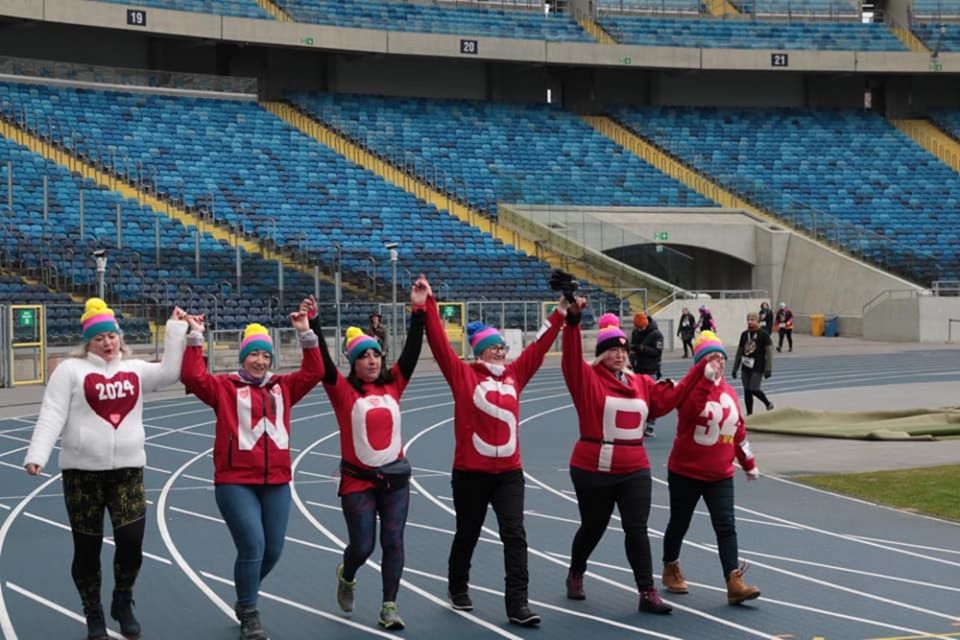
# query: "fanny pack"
{"points": [[618, 443], [390, 476]]}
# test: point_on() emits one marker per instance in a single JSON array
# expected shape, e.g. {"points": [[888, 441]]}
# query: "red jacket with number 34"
{"points": [[252, 444]]}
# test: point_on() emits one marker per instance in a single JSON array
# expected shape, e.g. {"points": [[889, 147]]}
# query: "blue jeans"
{"points": [[256, 515]]}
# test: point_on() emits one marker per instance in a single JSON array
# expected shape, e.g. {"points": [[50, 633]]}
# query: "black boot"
{"points": [[121, 610], [96, 623], [250, 628]]}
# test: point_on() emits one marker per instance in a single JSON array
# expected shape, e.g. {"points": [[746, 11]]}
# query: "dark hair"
{"points": [[385, 378]]}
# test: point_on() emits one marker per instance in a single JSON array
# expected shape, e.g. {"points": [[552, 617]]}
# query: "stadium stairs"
{"points": [[443, 201], [909, 39], [88, 170], [933, 139], [274, 10], [592, 27], [720, 8]]}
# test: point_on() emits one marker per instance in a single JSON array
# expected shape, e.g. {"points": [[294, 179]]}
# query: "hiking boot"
{"points": [[96, 623], [673, 578], [737, 590], [121, 610], [779, 349], [575, 585], [651, 602], [523, 616], [389, 617], [250, 628], [648, 431], [460, 601], [345, 589], [769, 406]]}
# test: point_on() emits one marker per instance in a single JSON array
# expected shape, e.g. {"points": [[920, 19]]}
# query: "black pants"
{"points": [[87, 494], [687, 344], [472, 492], [789, 334], [597, 493], [751, 387], [685, 493]]}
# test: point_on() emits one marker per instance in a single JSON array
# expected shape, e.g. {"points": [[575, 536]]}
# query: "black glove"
{"points": [[574, 315], [733, 374], [767, 374], [563, 281]]}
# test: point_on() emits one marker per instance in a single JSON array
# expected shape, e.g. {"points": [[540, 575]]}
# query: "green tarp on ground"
{"points": [[907, 424]]}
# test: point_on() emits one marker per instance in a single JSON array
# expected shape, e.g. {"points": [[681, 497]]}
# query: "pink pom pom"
{"points": [[608, 320]]}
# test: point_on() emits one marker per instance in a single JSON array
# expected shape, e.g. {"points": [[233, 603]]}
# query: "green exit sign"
{"points": [[449, 311], [661, 236], [307, 40], [936, 66], [26, 317]]}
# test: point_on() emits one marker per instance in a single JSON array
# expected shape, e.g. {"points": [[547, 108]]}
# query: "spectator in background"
{"points": [[379, 332], [755, 356], [706, 322], [687, 329], [783, 324], [766, 317], [646, 352]]}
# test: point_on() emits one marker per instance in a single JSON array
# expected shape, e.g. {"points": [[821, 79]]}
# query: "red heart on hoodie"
{"points": [[112, 398]]}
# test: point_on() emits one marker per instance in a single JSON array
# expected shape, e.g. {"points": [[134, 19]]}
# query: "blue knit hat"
{"points": [[482, 337]]}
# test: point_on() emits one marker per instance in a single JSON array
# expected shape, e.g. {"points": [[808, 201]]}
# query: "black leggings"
{"points": [[361, 511], [597, 493], [685, 493], [87, 494], [789, 334], [687, 344]]}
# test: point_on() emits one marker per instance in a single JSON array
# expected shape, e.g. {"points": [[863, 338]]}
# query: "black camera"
{"points": [[563, 281]]}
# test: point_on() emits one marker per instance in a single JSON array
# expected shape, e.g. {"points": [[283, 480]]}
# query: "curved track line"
{"points": [[5, 624]]}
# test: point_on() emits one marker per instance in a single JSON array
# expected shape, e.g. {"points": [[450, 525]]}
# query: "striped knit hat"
{"points": [[97, 318], [482, 337], [358, 342], [707, 342], [610, 334], [256, 337]]}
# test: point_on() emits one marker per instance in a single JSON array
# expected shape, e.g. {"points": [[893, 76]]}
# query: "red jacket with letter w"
{"points": [[252, 444], [612, 413], [487, 397], [710, 433]]}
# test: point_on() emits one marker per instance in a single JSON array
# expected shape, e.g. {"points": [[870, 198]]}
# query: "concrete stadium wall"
{"points": [[817, 279], [912, 318]]}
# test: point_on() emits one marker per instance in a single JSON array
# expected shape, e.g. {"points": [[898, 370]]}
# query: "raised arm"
{"points": [[330, 371], [156, 375], [193, 372], [52, 418], [412, 346], [530, 360], [311, 369], [576, 372], [449, 362]]}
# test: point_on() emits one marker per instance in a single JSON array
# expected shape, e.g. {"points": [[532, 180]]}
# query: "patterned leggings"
{"points": [[360, 511], [87, 494]]}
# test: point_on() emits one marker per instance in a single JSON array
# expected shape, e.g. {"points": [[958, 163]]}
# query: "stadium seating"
{"points": [[945, 36], [422, 17], [926, 9], [237, 8], [274, 180], [789, 8], [750, 34], [851, 165], [530, 154]]}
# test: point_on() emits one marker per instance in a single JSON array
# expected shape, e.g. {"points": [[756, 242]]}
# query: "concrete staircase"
{"points": [[933, 139]]}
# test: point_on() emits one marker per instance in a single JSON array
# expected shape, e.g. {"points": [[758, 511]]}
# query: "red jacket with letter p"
{"points": [[252, 444], [710, 434]]}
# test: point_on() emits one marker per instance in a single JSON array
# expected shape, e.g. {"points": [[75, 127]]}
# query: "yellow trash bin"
{"points": [[816, 324]]}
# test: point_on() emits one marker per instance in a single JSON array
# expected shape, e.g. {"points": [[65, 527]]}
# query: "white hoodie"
{"points": [[98, 406]]}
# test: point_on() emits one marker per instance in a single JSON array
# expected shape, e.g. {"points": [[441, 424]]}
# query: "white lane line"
{"points": [[302, 607], [840, 496], [295, 494], [20, 468], [157, 469], [50, 604], [169, 448], [317, 475], [833, 567], [172, 548], [541, 554], [764, 523], [766, 599], [3, 506], [107, 539], [6, 626], [908, 544], [198, 478]]}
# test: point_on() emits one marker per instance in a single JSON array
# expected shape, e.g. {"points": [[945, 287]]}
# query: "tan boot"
{"points": [[737, 591], [673, 579]]}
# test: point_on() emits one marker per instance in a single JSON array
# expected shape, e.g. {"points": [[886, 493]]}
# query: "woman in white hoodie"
{"points": [[95, 401]]}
